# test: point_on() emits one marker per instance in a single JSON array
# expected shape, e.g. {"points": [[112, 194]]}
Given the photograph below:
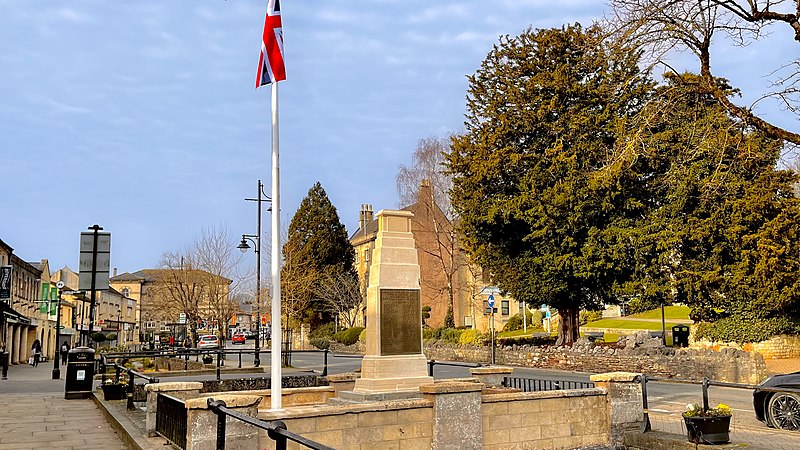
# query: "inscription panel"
{"points": [[401, 322]]}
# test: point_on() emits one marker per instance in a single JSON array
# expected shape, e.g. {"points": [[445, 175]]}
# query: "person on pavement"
{"points": [[36, 349], [64, 352]]}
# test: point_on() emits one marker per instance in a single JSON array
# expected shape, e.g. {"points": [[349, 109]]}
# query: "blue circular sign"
{"points": [[491, 300]]}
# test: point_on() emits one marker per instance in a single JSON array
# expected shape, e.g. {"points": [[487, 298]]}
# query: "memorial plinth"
{"points": [[394, 361]]}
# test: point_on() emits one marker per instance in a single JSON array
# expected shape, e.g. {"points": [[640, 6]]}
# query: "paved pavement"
{"points": [[787, 365], [35, 415]]}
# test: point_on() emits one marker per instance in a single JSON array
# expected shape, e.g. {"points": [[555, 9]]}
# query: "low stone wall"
{"points": [[778, 347], [731, 365], [554, 419], [170, 363]]}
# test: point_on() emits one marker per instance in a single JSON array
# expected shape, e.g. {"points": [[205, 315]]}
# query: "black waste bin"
{"points": [[80, 373], [680, 336]]}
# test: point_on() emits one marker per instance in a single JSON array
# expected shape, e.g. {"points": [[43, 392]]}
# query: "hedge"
{"points": [[737, 329]]}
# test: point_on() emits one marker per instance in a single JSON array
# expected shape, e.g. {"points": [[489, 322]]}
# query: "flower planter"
{"points": [[708, 430], [115, 391]]}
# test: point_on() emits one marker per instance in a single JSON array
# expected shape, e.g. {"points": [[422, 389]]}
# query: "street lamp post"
{"points": [[243, 246], [56, 368], [119, 311]]}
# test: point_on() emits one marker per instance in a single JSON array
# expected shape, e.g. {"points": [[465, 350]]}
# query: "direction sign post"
{"points": [[95, 258]]}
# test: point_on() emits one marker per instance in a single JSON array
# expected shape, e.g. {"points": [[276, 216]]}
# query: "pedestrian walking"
{"points": [[64, 352], [36, 350]]}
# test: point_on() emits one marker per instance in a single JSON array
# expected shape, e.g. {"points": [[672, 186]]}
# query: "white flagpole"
{"points": [[275, 365]]}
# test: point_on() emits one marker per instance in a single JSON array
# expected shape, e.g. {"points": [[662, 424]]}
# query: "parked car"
{"points": [[208, 341], [779, 409], [250, 334], [238, 338]]}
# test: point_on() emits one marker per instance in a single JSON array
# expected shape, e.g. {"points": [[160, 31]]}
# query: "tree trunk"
{"points": [[568, 325]]}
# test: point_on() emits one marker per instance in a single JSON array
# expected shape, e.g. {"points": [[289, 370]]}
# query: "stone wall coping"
{"points": [[514, 396], [341, 377], [491, 370], [300, 412], [626, 377], [232, 401], [174, 386], [450, 387]]}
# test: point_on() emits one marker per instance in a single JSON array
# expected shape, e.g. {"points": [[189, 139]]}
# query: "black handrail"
{"points": [[276, 430], [433, 362], [705, 384]]}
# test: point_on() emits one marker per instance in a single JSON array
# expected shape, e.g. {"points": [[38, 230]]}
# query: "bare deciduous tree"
{"points": [[663, 26], [344, 295]]}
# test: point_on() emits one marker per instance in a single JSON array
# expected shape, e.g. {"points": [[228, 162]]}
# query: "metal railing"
{"points": [[276, 430], [705, 384], [432, 363], [537, 385], [171, 422]]}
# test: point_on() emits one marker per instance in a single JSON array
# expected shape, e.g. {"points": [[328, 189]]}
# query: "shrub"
{"points": [[738, 329], [471, 337], [589, 316], [348, 336], [320, 343], [427, 333], [515, 322], [99, 337], [323, 331], [111, 336], [451, 335], [362, 337]]}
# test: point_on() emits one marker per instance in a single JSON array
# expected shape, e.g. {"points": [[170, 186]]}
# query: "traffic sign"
{"points": [[491, 300]]}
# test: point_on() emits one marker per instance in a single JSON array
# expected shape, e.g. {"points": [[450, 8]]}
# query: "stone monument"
{"points": [[394, 361]]}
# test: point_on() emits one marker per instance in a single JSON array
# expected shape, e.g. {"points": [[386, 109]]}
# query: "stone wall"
{"points": [[552, 419], [171, 363], [778, 347], [731, 365]]}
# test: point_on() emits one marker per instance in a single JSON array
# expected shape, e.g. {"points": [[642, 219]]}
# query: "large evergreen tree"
{"points": [[544, 113], [316, 247]]}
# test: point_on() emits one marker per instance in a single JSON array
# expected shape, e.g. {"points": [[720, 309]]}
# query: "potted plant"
{"points": [[707, 426], [114, 389]]}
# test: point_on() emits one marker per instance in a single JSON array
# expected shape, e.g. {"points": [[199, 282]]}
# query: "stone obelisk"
{"points": [[394, 361]]}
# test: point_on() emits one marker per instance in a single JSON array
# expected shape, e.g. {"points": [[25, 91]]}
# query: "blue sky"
{"points": [[142, 116]]}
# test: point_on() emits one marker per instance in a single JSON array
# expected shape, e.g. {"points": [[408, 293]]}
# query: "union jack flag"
{"points": [[270, 60]]}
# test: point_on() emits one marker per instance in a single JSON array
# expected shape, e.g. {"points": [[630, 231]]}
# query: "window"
{"points": [[366, 255], [468, 321], [486, 309], [126, 292], [504, 306]]}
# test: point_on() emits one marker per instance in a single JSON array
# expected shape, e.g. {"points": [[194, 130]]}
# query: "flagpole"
{"points": [[275, 365]]}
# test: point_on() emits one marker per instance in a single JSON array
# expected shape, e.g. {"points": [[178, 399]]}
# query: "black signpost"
{"points": [[95, 259]]}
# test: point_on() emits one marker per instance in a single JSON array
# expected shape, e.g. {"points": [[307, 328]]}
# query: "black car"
{"points": [[779, 409]]}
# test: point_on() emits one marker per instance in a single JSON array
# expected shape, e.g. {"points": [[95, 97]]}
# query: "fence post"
{"points": [[705, 394], [130, 391], [280, 441], [221, 416], [430, 367], [218, 365], [325, 363], [646, 418]]}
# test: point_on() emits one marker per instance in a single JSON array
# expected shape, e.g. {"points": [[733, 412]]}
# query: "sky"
{"points": [[142, 116]]}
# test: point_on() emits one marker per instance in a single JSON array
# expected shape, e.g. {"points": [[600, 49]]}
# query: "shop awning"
{"points": [[10, 316]]}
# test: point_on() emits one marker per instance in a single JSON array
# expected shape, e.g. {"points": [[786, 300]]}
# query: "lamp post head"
{"points": [[243, 246]]}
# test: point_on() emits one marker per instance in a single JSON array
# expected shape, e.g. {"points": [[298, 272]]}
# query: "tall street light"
{"points": [[119, 311], [56, 368], [243, 246]]}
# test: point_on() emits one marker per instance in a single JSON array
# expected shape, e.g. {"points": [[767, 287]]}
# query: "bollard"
{"points": [[5, 356], [103, 370], [430, 367], [218, 361], [325, 363], [240, 359], [705, 394]]}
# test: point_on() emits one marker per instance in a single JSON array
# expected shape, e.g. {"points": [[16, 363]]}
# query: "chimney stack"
{"points": [[365, 216], [115, 272]]}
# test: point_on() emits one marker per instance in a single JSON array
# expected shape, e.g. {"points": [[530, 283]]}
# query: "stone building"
{"points": [[20, 312], [444, 269], [157, 312]]}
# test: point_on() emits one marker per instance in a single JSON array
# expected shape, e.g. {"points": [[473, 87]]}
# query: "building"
{"points": [[19, 303], [444, 269], [164, 296]]}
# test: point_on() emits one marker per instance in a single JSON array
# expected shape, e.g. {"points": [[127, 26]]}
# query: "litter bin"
{"points": [[80, 373], [680, 336]]}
